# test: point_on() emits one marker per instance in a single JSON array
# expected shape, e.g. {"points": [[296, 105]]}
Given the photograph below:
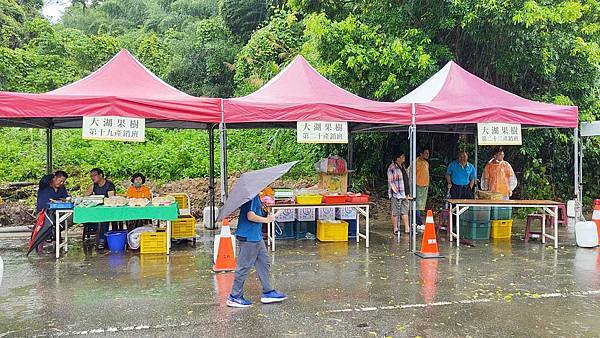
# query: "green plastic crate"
{"points": [[475, 230], [501, 213], [476, 214]]}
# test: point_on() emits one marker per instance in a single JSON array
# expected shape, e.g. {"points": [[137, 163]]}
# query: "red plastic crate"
{"points": [[334, 199], [357, 198]]}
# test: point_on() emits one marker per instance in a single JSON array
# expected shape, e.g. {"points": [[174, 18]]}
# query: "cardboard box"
{"points": [[327, 214], [345, 213], [306, 214], [334, 182], [285, 215]]}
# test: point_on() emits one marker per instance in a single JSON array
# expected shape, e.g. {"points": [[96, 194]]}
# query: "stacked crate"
{"points": [[501, 222], [475, 223]]}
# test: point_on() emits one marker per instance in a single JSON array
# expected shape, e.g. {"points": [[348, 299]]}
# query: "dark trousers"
{"points": [[461, 192]]}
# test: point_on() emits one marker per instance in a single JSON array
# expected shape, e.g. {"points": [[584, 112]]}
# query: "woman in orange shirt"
{"points": [[137, 188]]}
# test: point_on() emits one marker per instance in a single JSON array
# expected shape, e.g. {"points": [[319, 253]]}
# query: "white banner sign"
{"points": [[322, 132], [489, 134], [590, 128], [114, 128]]}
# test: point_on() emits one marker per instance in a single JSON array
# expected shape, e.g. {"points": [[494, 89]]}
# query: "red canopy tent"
{"points": [[454, 100], [122, 87], [455, 96], [300, 93]]}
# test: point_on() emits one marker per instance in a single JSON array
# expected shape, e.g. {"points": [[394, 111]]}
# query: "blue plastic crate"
{"points": [[60, 205], [284, 230]]}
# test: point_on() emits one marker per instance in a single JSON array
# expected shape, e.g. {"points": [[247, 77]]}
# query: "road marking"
{"points": [[141, 327], [466, 301]]}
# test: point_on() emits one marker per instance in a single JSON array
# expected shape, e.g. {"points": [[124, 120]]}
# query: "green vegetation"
{"points": [[543, 50]]}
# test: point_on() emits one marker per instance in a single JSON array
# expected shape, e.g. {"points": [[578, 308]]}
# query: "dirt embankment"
{"points": [[17, 206]]}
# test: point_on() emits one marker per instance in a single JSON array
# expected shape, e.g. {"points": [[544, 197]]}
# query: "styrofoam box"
{"points": [[327, 213], [285, 215], [306, 214], [345, 213]]}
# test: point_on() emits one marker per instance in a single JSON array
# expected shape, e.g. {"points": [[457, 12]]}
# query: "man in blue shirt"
{"points": [[461, 177], [252, 252], [51, 186]]}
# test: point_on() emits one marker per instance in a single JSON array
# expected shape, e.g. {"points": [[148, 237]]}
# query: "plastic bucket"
{"points": [[116, 240]]}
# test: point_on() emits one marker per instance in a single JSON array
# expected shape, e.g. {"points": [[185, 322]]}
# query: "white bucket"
{"points": [[586, 234], [206, 217]]}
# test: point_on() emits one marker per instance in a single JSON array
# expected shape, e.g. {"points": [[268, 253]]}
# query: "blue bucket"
{"points": [[116, 240]]}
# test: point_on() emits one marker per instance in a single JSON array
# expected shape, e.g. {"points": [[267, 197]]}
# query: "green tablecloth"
{"points": [[110, 214]]}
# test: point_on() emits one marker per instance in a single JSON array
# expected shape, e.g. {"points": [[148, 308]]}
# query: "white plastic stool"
{"points": [[586, 234]]}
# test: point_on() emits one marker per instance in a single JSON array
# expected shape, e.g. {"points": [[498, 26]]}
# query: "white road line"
{"points": [[465, 301]]}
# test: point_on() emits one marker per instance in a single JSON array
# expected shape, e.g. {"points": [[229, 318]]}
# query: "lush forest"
{"points": [[543, 50]]}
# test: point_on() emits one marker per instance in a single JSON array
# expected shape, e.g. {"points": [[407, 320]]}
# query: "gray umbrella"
{"points": [[251, 184]]}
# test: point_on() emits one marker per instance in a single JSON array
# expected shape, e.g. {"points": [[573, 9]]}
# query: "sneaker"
{"points": [[238, 301], [272, 297]]}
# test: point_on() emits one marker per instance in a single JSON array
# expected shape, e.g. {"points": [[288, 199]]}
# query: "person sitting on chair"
{"points": [[138, 190], [51, 187], [106, 188]]}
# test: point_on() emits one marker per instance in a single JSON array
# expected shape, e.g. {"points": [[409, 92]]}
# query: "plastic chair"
{"points": [[562, 215], [89, 229], [530, 219], [443, 222]]}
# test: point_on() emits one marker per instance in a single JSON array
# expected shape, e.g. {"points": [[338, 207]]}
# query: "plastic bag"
{"points": [[331, 165], [134, 237]]}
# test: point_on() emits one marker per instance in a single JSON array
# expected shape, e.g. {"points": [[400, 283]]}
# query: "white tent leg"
{"points": [[413, 185], [576, 173]]}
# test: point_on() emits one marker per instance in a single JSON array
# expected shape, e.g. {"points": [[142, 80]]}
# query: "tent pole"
{"points": [[476, 158], [576, 164], [49, 150], [211, 181], [223, 142], [413, 185], [350, 157]]}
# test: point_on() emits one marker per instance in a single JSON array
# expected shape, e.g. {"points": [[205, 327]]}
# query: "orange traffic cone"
{"points": [[429, 247], [224, 254]]}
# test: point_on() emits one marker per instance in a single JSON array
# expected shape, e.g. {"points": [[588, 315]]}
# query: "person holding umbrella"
{"points": [[252, 251]]}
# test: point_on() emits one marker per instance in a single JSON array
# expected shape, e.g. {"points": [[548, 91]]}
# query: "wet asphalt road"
{"points": [[498, 288]]}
